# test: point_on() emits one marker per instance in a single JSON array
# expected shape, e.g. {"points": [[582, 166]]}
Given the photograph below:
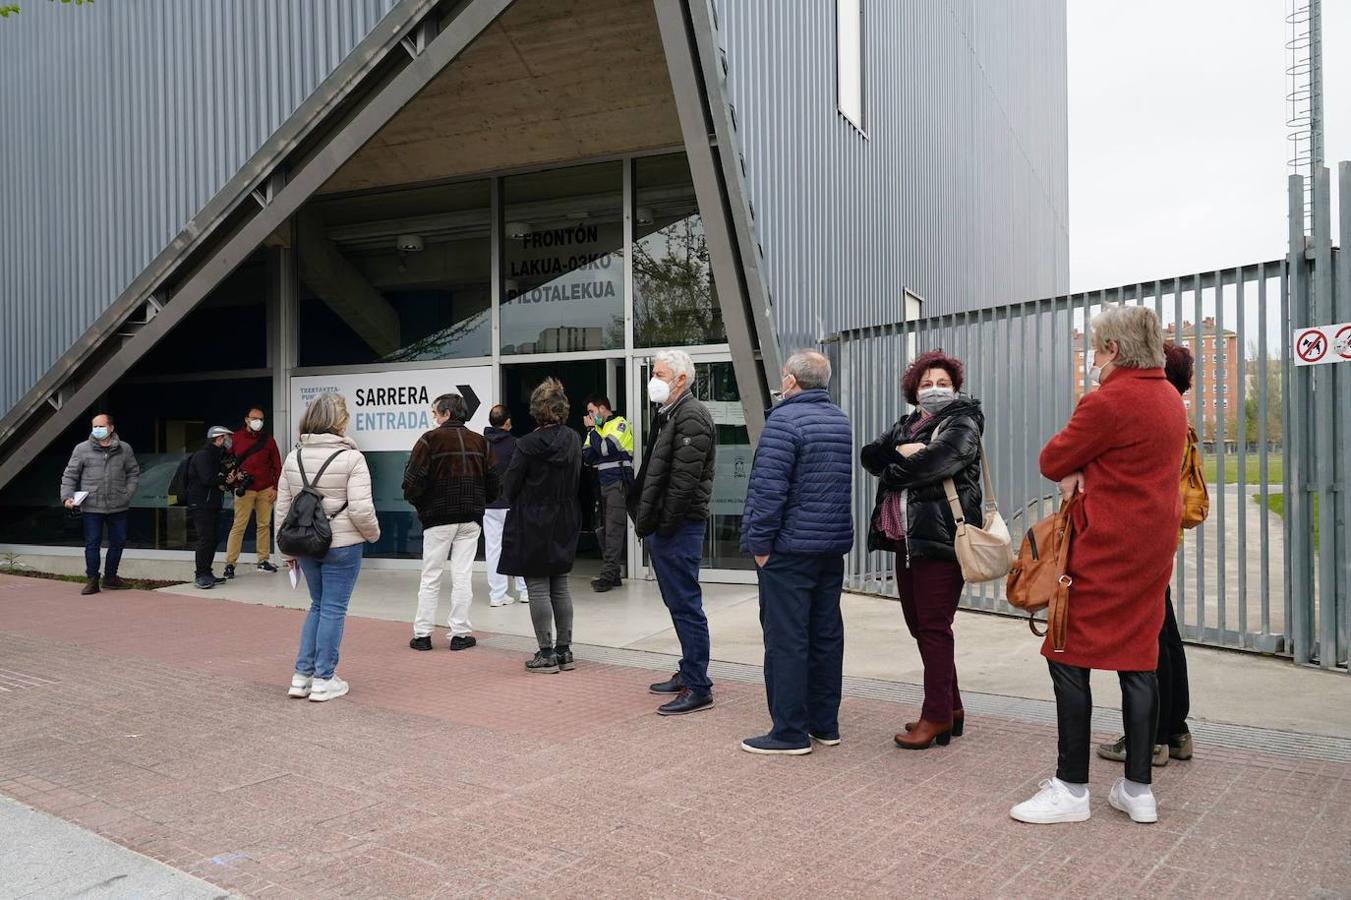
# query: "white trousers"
{"points": [[459, 542], [493, 522]]}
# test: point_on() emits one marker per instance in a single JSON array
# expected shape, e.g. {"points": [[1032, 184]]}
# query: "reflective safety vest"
{"points": [[609, 450]]}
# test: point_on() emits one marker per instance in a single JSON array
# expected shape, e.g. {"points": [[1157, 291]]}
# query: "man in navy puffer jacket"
{"points": [[798, 525]]}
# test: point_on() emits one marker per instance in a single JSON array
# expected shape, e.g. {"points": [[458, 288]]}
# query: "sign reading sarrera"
{"points": [[390, 410]]}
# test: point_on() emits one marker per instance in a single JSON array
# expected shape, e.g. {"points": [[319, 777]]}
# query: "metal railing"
{"points": [[1025, 362]]}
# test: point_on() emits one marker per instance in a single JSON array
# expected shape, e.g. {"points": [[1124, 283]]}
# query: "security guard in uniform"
{"points": [[608, 448]]}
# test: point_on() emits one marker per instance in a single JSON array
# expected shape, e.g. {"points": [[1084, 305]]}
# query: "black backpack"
{"points": [[306, 531], [178, 484]]}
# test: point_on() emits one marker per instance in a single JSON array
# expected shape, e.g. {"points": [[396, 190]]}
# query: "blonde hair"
{"points": [[1136, 332], [326, 414], [548, 403]]}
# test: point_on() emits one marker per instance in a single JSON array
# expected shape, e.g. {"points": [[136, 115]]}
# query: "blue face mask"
{"points": [[100, 433]]}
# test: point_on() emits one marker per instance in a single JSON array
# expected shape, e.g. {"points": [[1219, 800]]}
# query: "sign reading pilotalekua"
{"points": [[390, 410], [1320, 345]]}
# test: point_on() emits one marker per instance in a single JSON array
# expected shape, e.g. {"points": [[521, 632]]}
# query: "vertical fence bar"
{"points": [[1241, 432], [1180, 575], [1325, 432], [1298, 522], [1199, 406], [1342, 313], [1264, 450], [1219, 390]]}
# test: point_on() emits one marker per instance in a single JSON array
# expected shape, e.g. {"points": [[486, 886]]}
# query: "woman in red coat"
{"points": [[1120, 450]]}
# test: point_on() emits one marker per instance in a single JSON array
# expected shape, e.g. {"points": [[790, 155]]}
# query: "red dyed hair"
{"points": [[1178, 366], [934, 359]]}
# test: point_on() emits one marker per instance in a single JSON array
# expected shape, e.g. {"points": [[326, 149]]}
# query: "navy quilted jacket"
{"points": [[798, 500]]}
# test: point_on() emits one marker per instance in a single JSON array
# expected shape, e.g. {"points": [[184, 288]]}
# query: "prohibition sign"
{"points": [[1312, 345], [1342, 342]]}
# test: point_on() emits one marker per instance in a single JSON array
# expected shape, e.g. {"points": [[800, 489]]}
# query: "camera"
{"points": [[233, 477]]}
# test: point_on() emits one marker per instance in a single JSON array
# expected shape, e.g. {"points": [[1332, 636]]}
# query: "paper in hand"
{"points": [[295, 576], [79, 497]]}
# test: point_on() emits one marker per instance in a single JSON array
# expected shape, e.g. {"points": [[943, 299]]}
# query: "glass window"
{"points": [[715, 384], [674, 299], [849, 58], [563, 260], [396, 277]]}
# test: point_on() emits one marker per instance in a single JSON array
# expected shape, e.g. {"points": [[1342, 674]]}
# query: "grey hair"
{"points": [[326, 414], [679, 362], [452, 405], [1136, 332], [810, 369]]}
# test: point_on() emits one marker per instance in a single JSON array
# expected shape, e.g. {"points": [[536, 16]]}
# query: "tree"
{"points": [[12, 9], [675, 302]]}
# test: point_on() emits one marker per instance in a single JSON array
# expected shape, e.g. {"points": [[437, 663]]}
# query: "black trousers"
{"points": [[206, 522], [1174, 694], [1074, 714]]}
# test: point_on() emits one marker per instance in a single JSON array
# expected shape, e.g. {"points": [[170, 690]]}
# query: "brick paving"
{"points": [[161, 722]]}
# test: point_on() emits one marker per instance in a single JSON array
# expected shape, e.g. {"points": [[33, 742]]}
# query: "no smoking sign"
{"points": [[1322, 345]]}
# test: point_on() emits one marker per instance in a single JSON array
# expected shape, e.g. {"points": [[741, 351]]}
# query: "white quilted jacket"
{"points": [[347, 479]]}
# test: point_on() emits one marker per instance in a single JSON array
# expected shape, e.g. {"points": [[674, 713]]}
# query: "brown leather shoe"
{"points": [[958, 723], [924, 735], [113, 583], [91, 586]]}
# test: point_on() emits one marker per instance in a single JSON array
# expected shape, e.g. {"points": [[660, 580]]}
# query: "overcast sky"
{"points": [[1177, 130]]}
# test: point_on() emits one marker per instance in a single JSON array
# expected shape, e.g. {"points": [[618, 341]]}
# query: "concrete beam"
{"points": [[344, 288]]}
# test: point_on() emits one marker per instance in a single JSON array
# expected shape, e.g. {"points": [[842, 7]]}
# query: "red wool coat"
{"points": [[1127, 437]]}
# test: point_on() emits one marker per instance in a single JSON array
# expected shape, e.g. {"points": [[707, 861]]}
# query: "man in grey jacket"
{"points": [[99, 481]]}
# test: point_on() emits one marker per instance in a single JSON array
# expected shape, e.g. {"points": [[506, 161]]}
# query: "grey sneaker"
{"points": [[1180, 746], [1117, 752]]}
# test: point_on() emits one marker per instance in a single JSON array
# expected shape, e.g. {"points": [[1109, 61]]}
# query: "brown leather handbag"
{"points": [[1039, 578]]}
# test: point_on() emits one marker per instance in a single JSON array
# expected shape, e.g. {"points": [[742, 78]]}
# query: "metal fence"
{"points": [[1025, 362]]}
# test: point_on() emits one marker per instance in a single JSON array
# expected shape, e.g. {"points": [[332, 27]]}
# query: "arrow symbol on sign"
{"points": [[471, 400]]}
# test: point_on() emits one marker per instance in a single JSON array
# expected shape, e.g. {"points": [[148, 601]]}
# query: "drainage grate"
{"points": [[1040, 712], [17, 681]]}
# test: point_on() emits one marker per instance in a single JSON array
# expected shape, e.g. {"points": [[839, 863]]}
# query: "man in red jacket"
{"points": [[258, 456]]}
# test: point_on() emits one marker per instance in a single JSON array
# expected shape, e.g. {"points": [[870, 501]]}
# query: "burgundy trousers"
{"points": [[930, 589]]}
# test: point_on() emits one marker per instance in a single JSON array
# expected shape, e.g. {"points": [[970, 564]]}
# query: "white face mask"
{"points": [[1095, 375], [931, 400], [658, 391], [255, 424]]}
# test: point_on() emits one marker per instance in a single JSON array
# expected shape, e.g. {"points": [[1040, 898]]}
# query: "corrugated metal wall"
{"points": [[958, 193], [120, 120]]}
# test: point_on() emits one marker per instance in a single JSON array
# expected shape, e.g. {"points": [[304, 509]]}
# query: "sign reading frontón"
{"points": [[390, 410], [1320, 345]]}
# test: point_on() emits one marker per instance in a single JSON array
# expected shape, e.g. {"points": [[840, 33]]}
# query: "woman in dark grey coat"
{"points": [[539, 540]]}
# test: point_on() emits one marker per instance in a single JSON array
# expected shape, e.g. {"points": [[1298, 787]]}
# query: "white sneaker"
{"points": [[1053, 803], [327, 689], [300, 685], [1143, 809], [504, 600]]}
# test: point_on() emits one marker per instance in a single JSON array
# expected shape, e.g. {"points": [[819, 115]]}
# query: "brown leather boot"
{"points": [[924, 735], [91, 586], [958, 723]]}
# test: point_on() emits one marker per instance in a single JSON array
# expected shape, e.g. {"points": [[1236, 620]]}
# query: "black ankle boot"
{"points": [[564, 654], [545, 662]]}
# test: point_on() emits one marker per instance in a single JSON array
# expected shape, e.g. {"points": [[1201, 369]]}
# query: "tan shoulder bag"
{"points": [[984, 553]]}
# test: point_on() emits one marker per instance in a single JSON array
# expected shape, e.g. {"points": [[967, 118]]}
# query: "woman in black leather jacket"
{"points": [[912, 518]]}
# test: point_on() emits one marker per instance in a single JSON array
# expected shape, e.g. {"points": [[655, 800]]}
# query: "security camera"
{"points": [[409, 243]]}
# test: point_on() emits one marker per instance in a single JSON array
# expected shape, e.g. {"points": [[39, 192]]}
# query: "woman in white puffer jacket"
{"points": [[346, 487]]}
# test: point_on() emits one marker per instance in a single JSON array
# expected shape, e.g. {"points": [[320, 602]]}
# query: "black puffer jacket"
{"points": [[675, 483], [930, 529], [540, 485]]}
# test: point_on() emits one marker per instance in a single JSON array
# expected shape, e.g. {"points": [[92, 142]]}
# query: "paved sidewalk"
{"points": [[42, 857], [161, 722]]}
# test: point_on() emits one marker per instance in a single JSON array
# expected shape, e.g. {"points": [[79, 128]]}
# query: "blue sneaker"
{"points": [[826, 738], [768, 746]]}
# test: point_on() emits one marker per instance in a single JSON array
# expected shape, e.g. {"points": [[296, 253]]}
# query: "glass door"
{"points": [[715, 386]]}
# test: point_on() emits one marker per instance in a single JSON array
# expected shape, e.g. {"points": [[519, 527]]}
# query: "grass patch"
{"points": [[138, 584], [1276, 503], [1252, 468]]}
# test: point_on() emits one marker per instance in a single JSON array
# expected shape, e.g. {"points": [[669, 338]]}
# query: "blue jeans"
{"points": [[804, 644], [330, 581], [675, 561], [94, 525]]}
